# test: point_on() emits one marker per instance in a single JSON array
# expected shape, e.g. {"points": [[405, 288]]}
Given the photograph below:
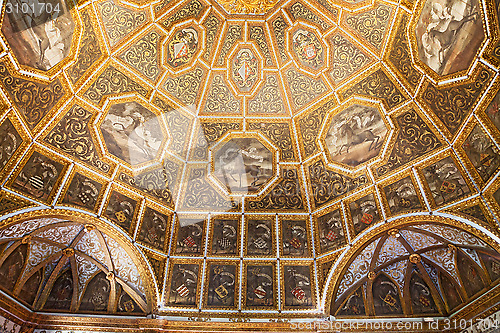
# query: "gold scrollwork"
{"points": [[248, 6]]}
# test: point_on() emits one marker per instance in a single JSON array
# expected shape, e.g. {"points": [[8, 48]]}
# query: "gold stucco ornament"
{"points": [[247, 6], [415, 258], [68, 252]]}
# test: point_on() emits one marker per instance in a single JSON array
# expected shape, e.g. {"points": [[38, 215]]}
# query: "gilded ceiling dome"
{"points": [[248, 164]]}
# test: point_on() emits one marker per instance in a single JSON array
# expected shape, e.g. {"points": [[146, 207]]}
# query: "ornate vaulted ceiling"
{"points": [[252, 160]]}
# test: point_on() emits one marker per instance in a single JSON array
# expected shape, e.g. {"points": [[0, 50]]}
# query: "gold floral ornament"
{"points": [[248, 6]]}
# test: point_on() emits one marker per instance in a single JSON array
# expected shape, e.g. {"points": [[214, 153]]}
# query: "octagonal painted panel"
{"points": [[40, 39], [449, 34], [355, 135], [243, 165], [132, 133], [308, 49]]}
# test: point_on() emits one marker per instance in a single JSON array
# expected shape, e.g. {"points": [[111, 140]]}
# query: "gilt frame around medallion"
{"points": [[101, 117], [384, 144], [54, 70], [435, 77], [222, 142]]}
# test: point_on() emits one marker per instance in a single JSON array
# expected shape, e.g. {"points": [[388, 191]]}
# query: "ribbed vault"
{"points": [[418, 268], [56, 264]]}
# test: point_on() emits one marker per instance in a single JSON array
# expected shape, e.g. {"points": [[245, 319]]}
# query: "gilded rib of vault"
{"points": [[242, 147]]}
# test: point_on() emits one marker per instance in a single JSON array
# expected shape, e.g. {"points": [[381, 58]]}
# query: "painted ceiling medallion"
{"points": [[247, 6], [182, 47], [132, 133], [449, 34], [356, 135], [39, 41], [243, 165], [308, 49], [245, 69]]}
